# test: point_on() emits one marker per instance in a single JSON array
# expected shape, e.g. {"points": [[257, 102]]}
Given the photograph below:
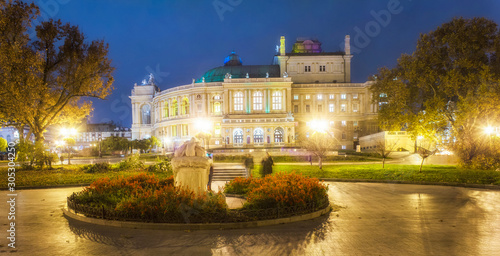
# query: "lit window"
{"points": [[217, 97], [344, 147], [331, 108], [344, 123], [276, 100], [257, 101], [383, 95], [355, 123], [343, 96], [295, 96], [238, 136], [332, 96], [320, 96], [342, 107], [307, 68], [216, 107], [238, 101], [308, 96], [278, 134], [217, 128], [355, 107], [355, 96], [258, 135]]}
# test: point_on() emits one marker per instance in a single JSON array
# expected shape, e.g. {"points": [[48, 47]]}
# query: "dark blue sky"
{"points": [[180, 40]]}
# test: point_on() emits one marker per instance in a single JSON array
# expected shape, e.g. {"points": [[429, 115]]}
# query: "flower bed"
{"points": [[146, 198], [283, 190]]}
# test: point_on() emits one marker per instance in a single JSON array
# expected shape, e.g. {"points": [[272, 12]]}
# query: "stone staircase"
{"points": [[227, 172]]}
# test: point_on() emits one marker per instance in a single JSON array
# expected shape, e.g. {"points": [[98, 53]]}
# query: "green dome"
{"points": [[254, 71]]}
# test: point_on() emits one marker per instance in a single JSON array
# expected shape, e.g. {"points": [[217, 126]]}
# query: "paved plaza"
{"points": [[373, 219]]}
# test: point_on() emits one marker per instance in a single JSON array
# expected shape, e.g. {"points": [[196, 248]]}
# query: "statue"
{"points": [[203, 79], [191, 166], [285, 75], [151, 79], [247, 76], [144, 82], [267, 74]]}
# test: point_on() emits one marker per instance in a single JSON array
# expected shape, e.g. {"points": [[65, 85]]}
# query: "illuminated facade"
{"points": [[252, 106]]}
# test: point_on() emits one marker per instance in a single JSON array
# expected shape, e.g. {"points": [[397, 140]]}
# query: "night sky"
{"points": [[180, 40]]}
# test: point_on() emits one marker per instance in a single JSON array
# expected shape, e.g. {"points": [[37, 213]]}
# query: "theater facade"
{"points": [[260, 106]]}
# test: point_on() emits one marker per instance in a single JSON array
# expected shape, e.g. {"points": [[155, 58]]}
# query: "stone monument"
{"points": [[191, 166]]}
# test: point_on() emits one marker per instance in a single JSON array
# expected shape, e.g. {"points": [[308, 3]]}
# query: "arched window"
{"points": [[166, 110], [238, 101], [174, 108], [278, 134], [146, 114], [238, 136], [217, 97], [217, 107], [185, 106], [276, 100], [257, 101], [258, 136]]}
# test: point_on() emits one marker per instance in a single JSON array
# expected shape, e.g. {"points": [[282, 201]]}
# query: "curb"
{"points": [[194, 226], [449, 184], [53, 186]]}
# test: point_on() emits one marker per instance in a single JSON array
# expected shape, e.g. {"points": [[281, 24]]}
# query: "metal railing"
{"points": [[187, 214]]}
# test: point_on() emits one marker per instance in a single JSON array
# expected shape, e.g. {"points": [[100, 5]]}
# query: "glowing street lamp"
{"points": [[489, 130], [318, 125], [68, 133]]}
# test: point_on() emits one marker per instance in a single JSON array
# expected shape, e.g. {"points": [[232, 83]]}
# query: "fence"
{"points": [[187, 214]]}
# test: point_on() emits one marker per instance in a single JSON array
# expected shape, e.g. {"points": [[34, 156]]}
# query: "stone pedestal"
{"points": [[191, 167]]}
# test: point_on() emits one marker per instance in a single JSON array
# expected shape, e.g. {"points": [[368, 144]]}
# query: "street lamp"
{"points": [[67, 134]]}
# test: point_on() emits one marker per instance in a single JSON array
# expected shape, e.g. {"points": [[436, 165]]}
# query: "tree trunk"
{"points": [[421, 163], [320, 163], [383, 163]]}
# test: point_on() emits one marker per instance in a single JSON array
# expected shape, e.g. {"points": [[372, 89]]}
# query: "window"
{"points": [[295, 108], [355, 123], [185, 106], [198, 106], [278, 135], [320, 96], [320, 108], [295, 96], [217, 128], [354, 107], [184, 130], [165, 110], [332, 96], [308, 96], [217, 97], [198, 97], [354, 95], [216, 107], [257, 101], [344, 123], [322, 68], [174, 108], [307, 68], [331, 108], [238, 101], [308, 109], [174, 130], [276, 100], [344, 147], [258, 135], [383, 95], [343, 96], [238, 136], [342, 107], [146, 114]]}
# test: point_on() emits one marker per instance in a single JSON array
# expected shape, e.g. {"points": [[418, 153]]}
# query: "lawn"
{"points": [[63, 176], [410, 173]]}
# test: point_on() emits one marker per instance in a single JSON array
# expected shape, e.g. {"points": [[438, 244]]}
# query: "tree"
{"points": [[145, 144], [3, 144], [70, 142], [425, 148], [448, 88], [115, 143], [384, 149], [44, 79], [319, 143]]}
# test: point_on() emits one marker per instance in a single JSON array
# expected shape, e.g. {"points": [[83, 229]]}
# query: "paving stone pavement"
{"points": [[373, 219]]}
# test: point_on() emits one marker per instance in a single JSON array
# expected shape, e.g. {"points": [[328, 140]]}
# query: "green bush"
{"points": [[231, 158], [239, 186], [131, 163], [97, 168], [164, 166]]}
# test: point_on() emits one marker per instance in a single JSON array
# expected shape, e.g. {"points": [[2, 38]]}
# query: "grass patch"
{"points": [[430, 173], [73, 174]]}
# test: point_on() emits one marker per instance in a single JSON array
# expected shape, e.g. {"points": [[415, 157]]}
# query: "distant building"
{"points": [[252, 106], [89, 134], [393, 141]]}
